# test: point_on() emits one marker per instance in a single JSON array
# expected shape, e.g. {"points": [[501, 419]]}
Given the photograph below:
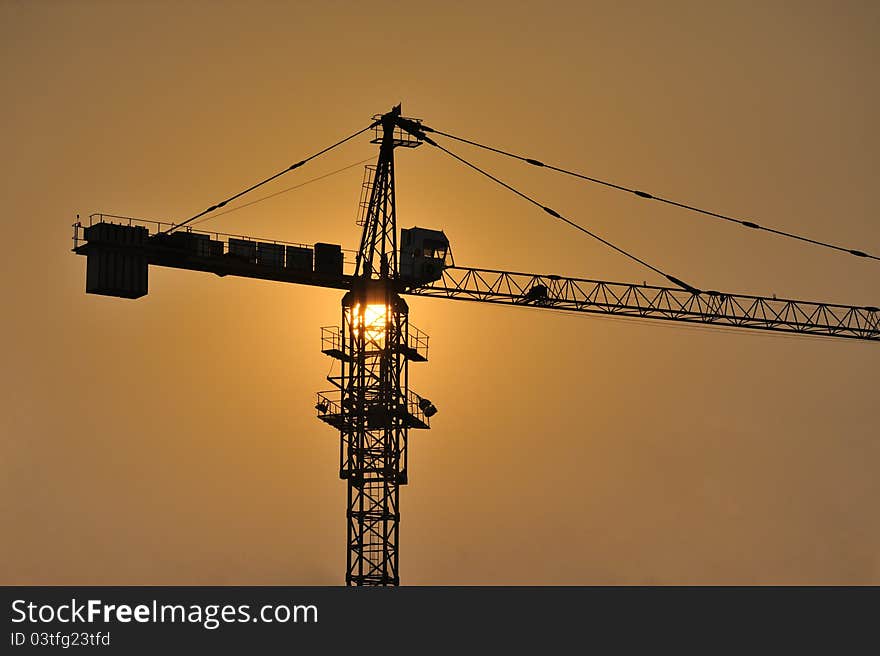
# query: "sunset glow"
{"points": [[372, 320], [174, 439]]}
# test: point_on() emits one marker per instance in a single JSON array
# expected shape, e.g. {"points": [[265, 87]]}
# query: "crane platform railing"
{"points": [[414, 347], [221, 239], [330, 411]]}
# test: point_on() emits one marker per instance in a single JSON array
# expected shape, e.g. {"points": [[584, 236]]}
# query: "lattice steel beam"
{"points": [[645, 301]]}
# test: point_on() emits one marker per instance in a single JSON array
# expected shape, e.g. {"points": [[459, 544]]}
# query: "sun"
{"points": [[372, 321]]}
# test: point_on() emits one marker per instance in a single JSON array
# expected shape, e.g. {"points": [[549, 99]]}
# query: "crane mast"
{"points": [[372, 405]]}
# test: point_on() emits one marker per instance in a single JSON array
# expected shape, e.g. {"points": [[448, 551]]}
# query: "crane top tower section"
{"points": [[377, 256]]}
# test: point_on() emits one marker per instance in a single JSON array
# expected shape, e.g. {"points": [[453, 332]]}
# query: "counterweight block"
{"points": [[115, 264]]}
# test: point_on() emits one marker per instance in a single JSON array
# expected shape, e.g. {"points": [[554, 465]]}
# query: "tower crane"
{"points": [[371, 404]]}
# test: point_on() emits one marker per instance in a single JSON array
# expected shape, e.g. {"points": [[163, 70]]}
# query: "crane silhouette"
{"points": [[371, 403]]}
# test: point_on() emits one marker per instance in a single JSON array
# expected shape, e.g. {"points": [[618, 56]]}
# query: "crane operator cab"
{"points": [[424, 254]]}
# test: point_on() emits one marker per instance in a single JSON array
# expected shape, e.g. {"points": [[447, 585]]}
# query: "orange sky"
{"points": [[172, 439]]}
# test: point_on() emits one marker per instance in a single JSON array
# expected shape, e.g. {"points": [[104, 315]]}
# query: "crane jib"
{"points": [[119, 255], [651, 302]]}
